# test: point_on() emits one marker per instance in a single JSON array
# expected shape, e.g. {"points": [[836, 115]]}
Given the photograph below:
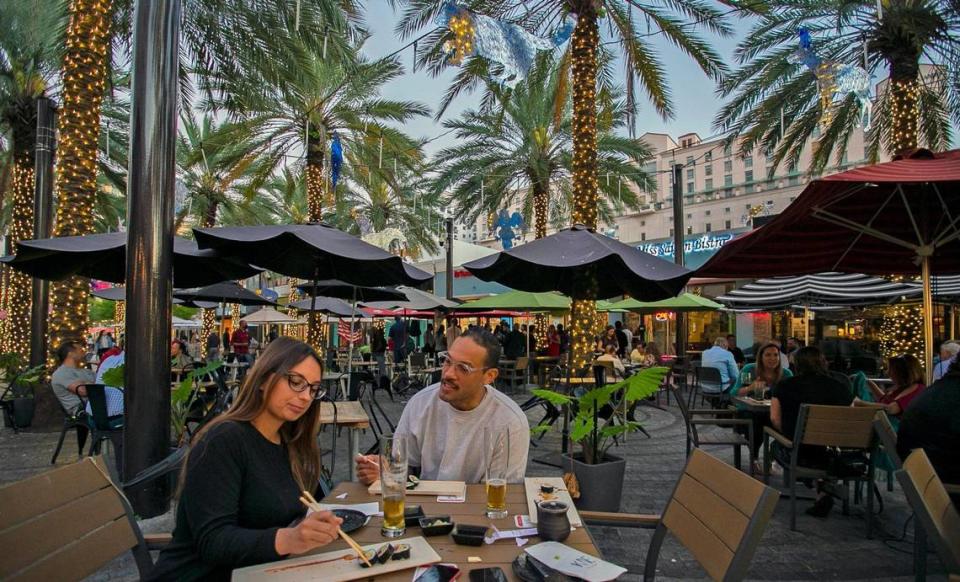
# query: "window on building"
{"points": [[689, 230], [792, 168], [708, 184], [770, 203], [728, 192], [689, 187], [728, 166], [707, 227], [728, 180], [643, 223], [726, 224], [749, 188], [748, 176], [689, 160], [689, 216], [690, 174], [843, 158], [748, 162], [794, 180], [706, 213], [708, 170], [726, 150], [671, 233], [707, 157], [792, 198]]}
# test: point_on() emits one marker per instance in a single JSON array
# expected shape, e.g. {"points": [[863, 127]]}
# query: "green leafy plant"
{"points": [[589, 429], [182, 398], [13, 366]]}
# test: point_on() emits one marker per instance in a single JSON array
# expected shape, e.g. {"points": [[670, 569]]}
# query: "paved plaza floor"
{"points": [[821, 549]]}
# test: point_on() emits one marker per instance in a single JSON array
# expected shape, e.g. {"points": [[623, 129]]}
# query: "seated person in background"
{"points": [[114, 395], [652, 355], [69, 377], [932, 423], [444, 423], [907, 375], [610, 355], [752, 381], [948, 355], [609, 338], [247, 469], [179, 358], [719, 357], [738, 356], [811, 385], [637, 355]]}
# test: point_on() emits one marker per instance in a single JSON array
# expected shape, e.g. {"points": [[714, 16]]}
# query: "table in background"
{"points": [[352, 416], [339, 377], [752, 404], [499, 554]]}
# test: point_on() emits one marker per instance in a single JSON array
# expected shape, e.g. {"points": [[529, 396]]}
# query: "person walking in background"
{"points": [[213, 346], [441, 338], [429, 341], [226, 341], [398, 333], [623, 342], [453, 332], [553, 342], [240, 342], [378, 350]]}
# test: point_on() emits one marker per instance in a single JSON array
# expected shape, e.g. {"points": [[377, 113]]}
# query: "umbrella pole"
{"points": [[806, 325], [927, 318], [353, 314]]}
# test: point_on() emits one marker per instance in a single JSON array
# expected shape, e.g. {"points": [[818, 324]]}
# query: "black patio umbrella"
{"points": [[120, 294], [329, 305], [104, 257], [414, 300], [226, 292], [313, 252], [562, 261], [346, 291]]}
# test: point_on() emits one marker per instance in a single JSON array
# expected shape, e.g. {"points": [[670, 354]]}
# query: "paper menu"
{"points": [[574, 563]]}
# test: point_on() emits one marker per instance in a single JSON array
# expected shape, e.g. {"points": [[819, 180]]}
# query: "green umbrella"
{"points": [[681, 303], [609, 306], [520, 301]]}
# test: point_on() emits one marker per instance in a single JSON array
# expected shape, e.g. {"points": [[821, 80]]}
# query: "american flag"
{"points": [[346, 334]]}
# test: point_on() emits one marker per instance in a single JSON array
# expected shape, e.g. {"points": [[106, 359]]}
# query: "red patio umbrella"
{"points": [[897, 218]]}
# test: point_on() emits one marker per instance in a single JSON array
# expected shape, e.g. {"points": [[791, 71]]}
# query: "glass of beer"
{"points": [[496, 446], [393, 482]]}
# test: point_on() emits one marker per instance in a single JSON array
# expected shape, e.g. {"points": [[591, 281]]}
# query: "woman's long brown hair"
{"points": [[761, 370], [300, 436]]}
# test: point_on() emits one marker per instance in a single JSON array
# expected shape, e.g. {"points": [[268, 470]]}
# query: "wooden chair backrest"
{"points": [[65, 524], [932, 506], [522, 363], [719, 513], [836, 426], [685, 413], [887, 436]]}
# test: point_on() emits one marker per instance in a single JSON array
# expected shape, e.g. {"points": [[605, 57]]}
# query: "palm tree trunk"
{"points": [[84, 79], [314, 180], [208, 319], [585, 43], [904, 108], [541, 199], [17, 289]]}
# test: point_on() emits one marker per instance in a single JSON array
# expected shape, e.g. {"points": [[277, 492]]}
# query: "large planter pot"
{"points": [[22, 412], [600, 485]]}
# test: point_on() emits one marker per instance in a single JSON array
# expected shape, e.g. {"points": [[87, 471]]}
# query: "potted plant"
{"points": [[18, 394], [597, 422]]}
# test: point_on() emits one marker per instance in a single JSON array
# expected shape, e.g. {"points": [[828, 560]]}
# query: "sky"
{"points": [[694, 98]]}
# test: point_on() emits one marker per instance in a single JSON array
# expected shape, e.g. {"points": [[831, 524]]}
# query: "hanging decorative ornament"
{"points": [[503, 43], [834, 81], [336, 159], [507, 226]]}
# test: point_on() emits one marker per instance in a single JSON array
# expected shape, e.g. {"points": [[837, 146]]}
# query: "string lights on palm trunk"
{"points": [[902, 331]]}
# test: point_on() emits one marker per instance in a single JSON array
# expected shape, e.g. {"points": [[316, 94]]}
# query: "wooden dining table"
{"points": [[498, 554], [753, 404]]}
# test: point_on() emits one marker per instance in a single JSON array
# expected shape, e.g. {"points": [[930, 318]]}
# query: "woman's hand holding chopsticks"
{"points": [[315, 530]]}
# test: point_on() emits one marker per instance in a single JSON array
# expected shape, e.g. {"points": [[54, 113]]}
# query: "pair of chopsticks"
{"points": [[308, 500]]}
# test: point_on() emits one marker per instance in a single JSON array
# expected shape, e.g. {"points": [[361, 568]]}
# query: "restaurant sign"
{"points": [[705, 243]]}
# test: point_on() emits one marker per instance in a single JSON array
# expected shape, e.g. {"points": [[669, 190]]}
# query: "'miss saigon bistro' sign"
{"points": [[703, 244]]}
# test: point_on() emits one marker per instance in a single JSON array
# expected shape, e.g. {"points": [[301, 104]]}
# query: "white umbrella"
{"points": [[268, 315], [181, 322]]}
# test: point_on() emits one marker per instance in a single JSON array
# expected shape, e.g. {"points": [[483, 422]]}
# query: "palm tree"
{"points": [[28, 51], [299, 103], [212, 32], [526, 139], [916, 107], [676, 20]]}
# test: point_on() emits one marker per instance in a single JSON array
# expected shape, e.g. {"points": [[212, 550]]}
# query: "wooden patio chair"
{"points": [[932, 507], [716, 512], [849, 428], [66, 524], [721, 418], [513, 375]]}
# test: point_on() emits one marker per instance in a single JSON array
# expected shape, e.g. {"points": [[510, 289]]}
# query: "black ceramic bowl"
{"points": [[436, 530], [469, 535], [412, 515], [352, 519]]}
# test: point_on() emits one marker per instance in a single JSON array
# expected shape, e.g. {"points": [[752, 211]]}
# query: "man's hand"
{"points": [[78, 388], [368, 468], [317, 529]]}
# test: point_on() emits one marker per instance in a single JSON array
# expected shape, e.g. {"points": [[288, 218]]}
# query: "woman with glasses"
{"points": [[242, 480]]}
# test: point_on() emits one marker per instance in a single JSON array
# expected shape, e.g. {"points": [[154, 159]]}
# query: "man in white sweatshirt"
{"points": [[444, 423]]}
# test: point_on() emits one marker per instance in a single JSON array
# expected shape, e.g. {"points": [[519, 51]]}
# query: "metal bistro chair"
{"points": [[716, 512], [76, 419], [711, 376], [513, 375], [849, 428], [721, 418], [104, 427], [932, 507]]}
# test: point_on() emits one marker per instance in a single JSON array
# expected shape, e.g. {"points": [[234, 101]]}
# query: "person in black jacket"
{"points": [[243, 478], [515, 345]]}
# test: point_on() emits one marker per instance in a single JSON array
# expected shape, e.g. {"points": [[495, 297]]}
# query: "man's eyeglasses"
{"points": [[298, 383], [461, 368]]}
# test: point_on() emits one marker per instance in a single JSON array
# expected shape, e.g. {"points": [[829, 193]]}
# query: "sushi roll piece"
{"points": [[401, 552], [546, 489], [370, 555], [384, 553], [412, 482]]}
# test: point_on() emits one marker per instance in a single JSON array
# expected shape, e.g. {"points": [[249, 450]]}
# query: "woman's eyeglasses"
{"points": [[298, 383]]}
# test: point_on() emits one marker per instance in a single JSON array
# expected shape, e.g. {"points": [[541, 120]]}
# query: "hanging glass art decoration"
{"points": [[336, 159], [508, 227], [503, 43], [834, 81]]}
